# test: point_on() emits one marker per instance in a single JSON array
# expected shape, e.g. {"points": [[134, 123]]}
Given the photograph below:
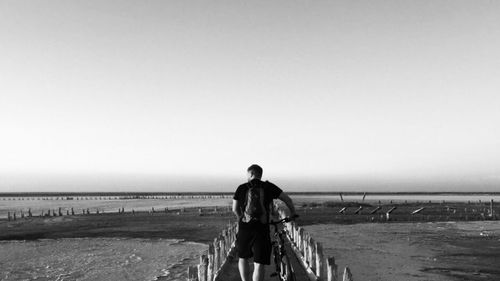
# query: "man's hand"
{"points": [[237, 209], [288, 201]]}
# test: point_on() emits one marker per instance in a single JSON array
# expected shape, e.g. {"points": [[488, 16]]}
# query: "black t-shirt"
{"points": [[271, 192]]}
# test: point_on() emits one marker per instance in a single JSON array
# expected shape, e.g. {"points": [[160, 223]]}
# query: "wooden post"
{"points": [[202, 268], [72, 211], [210, 269], [229, 237], [417, 211], [341, 198], [29, 213], [14, 215], [388, 213], [293, 233], [375, 210], [300, 239], [305, 247], [491, 208], [8, 216], [311, 253], [222, 249], [60, 212], [347, 274], [331, 269], [192, 273], [217, 260], [227, 244], [319, 260]]}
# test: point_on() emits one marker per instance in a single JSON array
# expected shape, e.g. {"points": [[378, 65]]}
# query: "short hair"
{"points": [[256, 170]]}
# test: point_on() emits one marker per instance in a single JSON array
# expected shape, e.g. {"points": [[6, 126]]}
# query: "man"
{"points": [[251, 204]]}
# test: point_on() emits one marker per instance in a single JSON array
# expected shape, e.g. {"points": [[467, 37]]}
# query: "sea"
{"points": [[112, 259]]}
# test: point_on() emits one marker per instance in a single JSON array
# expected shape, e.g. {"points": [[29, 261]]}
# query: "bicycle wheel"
{"points": [[277, 263]]}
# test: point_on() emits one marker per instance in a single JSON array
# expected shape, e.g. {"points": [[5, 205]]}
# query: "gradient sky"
{"points": [[327, 95]]}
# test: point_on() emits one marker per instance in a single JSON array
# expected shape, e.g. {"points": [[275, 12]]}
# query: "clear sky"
{"points": [[325, 95]]}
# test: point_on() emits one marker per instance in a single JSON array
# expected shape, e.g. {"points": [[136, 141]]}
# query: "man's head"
{"points": [[254, 172]]}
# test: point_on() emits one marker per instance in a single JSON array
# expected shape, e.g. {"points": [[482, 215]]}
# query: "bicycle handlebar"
{"points": [[287, 219]]}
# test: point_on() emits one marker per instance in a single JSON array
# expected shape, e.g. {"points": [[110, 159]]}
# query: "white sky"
{"points": [[373, 95]]}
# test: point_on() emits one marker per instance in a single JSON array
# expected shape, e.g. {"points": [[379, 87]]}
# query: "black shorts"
{"points": [[253, 240]]}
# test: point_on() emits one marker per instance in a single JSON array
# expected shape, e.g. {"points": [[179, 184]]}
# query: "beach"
{"points": [[443, 241], [440, 251], [139, 246]]}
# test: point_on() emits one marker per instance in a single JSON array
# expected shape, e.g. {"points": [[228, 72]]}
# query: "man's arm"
{"points": [[289, 203], [237, 209]]}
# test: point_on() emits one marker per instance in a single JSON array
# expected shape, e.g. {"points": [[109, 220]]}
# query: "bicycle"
{"points": [[284, 269]]}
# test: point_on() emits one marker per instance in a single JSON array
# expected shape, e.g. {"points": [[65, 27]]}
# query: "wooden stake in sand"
{"points": [[203, 268], [311, 253], [319, 260], [347, 275], [192, 273], [417, 211], [210, 269], [491, 208], [331, 269], [388, 213], [217, 260], [375, 210]]}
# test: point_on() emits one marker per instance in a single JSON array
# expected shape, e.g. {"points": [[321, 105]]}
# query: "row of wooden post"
{"points": [[310, 252], [50, 213], [59, 212], [213, 261], [223, 196]]}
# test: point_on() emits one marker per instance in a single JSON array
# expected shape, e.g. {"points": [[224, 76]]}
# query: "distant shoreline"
{"points": [[41, 194]]}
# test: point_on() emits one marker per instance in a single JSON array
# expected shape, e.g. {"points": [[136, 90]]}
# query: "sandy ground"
{"points": [[441, 251], [189, 226], [397, 250]]}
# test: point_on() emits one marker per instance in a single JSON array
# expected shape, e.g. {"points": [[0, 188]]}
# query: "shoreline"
{"points": [[230, 193]]}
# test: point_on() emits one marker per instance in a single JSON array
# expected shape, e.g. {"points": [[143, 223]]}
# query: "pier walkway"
{"points": [[306, 256], [230, 269]]}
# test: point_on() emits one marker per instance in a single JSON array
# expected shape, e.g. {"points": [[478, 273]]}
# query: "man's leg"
{"points": [[258, 271], [244, 269]]}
